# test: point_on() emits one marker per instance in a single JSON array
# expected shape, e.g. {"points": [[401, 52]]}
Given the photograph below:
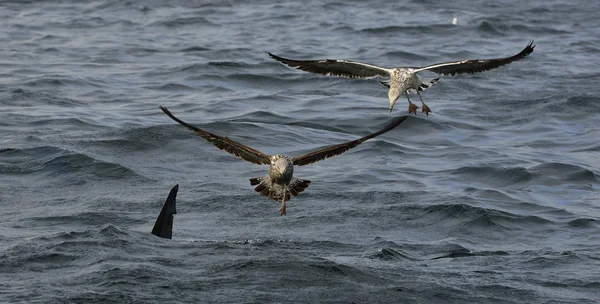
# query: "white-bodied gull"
{"points": [[402, 79], [279, 184]]}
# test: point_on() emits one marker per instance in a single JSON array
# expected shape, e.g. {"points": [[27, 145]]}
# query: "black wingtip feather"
{"points": [[477, 65], [280, 59], [528, 49]]}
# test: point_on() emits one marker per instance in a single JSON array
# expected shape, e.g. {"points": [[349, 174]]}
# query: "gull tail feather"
{"points": [[427, 82], [266, 187], [277, 192], [298, 185]]}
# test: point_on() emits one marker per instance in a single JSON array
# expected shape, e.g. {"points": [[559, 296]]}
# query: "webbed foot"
{"points": [[412, 108], [425, 109]]}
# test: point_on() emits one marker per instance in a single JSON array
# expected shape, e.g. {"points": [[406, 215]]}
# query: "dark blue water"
{"points": [[492, 198]]}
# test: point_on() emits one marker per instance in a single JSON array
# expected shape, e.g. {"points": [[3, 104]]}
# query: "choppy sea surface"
{"points": [[491, 199]]}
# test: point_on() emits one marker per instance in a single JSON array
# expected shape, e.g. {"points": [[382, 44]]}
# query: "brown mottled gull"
{"points": [[279, 184]]}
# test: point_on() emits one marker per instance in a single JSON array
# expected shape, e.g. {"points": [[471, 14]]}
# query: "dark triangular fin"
{"points": [[163, 227]]}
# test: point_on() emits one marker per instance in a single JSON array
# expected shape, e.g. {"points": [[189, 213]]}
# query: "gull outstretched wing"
{"points": [[341, 68], [232, 147], [476, 65], [321, 154]]}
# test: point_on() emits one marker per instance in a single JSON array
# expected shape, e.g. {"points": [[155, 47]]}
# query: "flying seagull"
{"points": [[279, 184], [403, 79]]}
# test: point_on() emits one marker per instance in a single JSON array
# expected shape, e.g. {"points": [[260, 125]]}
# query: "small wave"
{"points": [[48, 38], [395, 29], [502, 176], [261, 117], [573, 106], [467, 253], [363, 196], [208, 71], [539, 10], [162, 70], [336, 5], [570, 284], [539, 30], [584, 103], [71, 22], [193, 49], [116, 276], [180, 22], [21, 97], [482, 217], [231, 64], [316, 126], [338, 28], [421, 124], [61, 122], [47, 50], [59, 81], [499, 27], [142, 51], [57, 250], [127, 144], [255, 79], [56, 162], [81, 163], [81, 219], [112, 231], [383, 147], [583, 223], [495, 195], [567, 172], [390, 254], [114, 6], [406, 55], [284, 243], [488, 27], [171, 87], [8, 150], [249, 265], [546, 258], [590, 148], [136, 138], [332, 269], [24, 258], [50, 258]]}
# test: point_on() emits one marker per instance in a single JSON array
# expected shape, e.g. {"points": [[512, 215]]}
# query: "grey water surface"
{"points": [[491, 199]]}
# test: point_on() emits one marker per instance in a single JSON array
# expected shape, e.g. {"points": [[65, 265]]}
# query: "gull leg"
{"points": [[424, 107], [282, 210], [412, 108]]}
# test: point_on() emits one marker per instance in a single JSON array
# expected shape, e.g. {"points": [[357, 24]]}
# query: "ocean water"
{"points": [[491, 199]]}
